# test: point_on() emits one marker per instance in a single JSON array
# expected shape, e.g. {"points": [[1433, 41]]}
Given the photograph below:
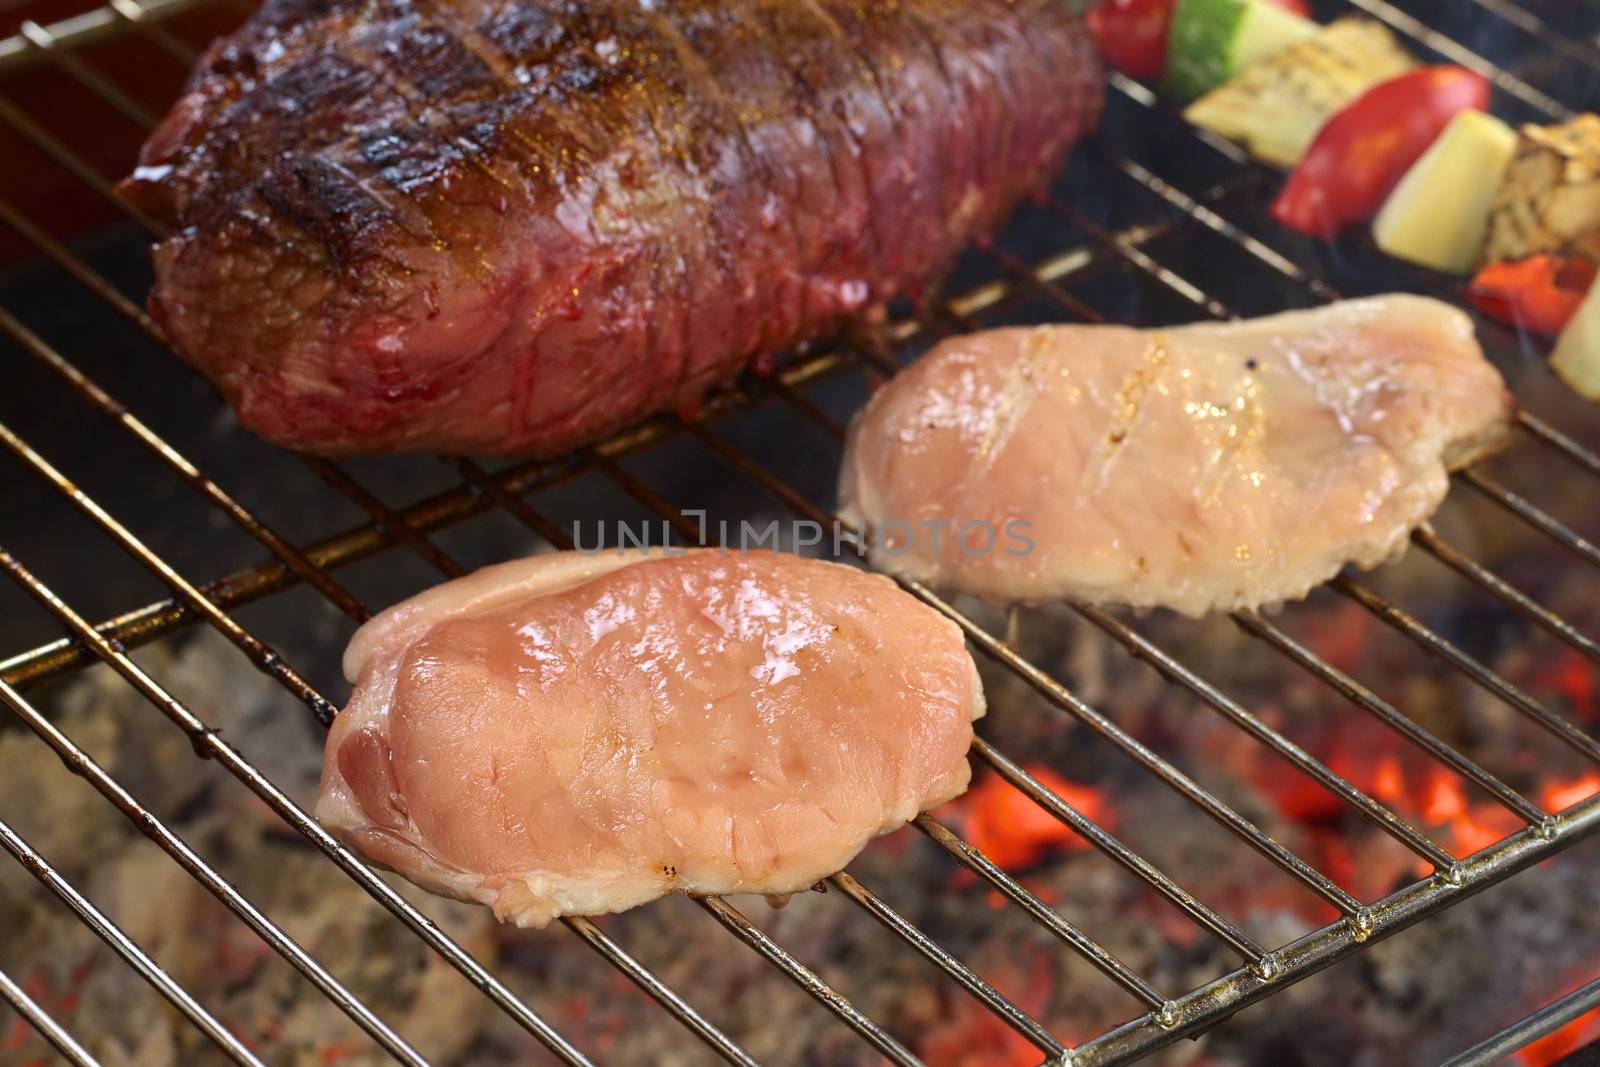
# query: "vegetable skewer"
{"points": [[1366, 148]]}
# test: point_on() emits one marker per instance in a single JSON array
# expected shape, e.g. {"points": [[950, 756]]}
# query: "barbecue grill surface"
{"points": [[136, 511]]}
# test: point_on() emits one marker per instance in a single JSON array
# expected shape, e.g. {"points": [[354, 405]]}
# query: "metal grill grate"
{"points": [[1170, 1014]]}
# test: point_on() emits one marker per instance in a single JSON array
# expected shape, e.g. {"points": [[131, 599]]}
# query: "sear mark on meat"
{"points": [[514, 226]]}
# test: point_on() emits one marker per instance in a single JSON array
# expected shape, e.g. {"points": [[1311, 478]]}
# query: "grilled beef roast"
{"points": [[512, 226]]}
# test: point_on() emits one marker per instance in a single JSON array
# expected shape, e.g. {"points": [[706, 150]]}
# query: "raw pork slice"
{"points": [[572, 735], [1202, 468]]}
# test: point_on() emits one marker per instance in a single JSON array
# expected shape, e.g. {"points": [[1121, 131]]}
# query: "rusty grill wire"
{"points": [[1169, 1015]]}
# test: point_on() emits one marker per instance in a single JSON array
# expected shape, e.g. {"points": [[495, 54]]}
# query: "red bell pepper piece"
{"points": [[1538, 294], [1133, 34], [1366, 148], [1299, 7]]}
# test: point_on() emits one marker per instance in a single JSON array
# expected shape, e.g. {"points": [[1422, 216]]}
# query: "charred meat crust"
{"points": [[515, 225]]}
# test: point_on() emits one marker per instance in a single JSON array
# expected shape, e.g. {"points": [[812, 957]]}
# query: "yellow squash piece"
{"points": [[1577, 355], [1550, 201], [1438, 213], [1275, 106]]}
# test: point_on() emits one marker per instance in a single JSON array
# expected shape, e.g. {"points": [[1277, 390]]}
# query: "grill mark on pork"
{"points": [[967, 142], [401, 209], [681, 172], [477, 225], [915, 170], [455, 132], [695, 42], [451, 99], [812, 52], [922, 119], [798, 225], [711, 181], [752, 100], [428, 63], [479, 66], [529, 37], [1046, 65], [986, 94], [335, 208], [757, 96], [542, 142], [428, 60], [403, 156], [321, 199], [1006, 113], [519, 30], [872, 127], [952, 136]]}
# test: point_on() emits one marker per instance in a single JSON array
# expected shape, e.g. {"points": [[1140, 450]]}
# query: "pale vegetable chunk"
{"points": [[1437, 215], [1275, 106], [568, 735], [1577, 354], [1200, 468], [1550, 199]]}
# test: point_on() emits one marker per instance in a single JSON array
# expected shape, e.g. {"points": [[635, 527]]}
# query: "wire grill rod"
{"points": [[482, 491], [41, 1020], [93, 25], [83, 765], [209, 744], [122, 945]]}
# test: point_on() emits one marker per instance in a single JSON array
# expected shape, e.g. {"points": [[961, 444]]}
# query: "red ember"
{"points": [[1573, 677], [1559, 796], [1442, 798], [1556, 1046], [1388, 780], [1001, 821], [973, 1036]]}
